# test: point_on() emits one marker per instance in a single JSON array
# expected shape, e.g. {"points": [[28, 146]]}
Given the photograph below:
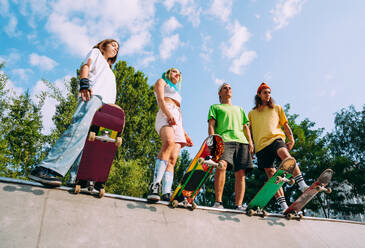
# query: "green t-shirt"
{"points": [[229, 121]]}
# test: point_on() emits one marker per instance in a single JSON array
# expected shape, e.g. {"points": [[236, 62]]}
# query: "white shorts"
{"points": [[161, 121]]}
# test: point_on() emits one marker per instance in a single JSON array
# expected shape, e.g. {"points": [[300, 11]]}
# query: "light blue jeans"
{"points": [[68, 149]]}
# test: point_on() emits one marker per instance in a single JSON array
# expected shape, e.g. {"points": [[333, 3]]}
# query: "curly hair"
{"points": [[258, 102]]}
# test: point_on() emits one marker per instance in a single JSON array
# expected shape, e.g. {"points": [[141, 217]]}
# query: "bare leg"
{"points": [[167, 136], [219, 181], [283, 153], [173, 157], [240, 186]]}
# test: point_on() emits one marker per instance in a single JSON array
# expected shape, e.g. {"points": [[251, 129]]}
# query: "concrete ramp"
{"points": [[35, 216]]}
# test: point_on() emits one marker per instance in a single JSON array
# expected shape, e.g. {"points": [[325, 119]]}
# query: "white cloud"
{"points": [[135, 43], [42, 62], [22, 73], [10, 59], [49, 108], [240, 36], [188, 9], [221, 9], [206, 50], [168, 45], [11, 28], [13, 90], [147, 60], [170, 25], [218, 81], [81, 24], [4, 7], [284, 11], [245, 59]]}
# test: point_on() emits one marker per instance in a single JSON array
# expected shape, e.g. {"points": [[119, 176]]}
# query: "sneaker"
{"points": [[166, 197], [45, 176], [218, 205], [240, 208], [154, 194]]}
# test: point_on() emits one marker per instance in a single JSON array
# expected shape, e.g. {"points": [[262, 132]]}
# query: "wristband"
{"points": [[84, 84]]}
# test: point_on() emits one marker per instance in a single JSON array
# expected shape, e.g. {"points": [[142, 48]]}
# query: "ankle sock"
{"points": [[300, 180], [281, 200]]}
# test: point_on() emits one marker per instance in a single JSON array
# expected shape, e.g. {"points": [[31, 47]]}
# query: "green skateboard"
{"points": [[262, 198]]}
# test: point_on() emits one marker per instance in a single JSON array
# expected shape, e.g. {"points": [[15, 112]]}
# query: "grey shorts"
{"points": [[237, 155]]}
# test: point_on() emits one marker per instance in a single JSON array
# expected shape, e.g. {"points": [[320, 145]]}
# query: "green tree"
{"points": [[23, 136], [347, 147]]}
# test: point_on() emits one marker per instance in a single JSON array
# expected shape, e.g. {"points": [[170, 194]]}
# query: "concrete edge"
{"points": [[137, 199]]}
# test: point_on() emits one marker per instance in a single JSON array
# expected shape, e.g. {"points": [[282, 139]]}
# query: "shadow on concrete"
{"points": [[23, 188], [141, 205], [271, 221], [225, 216]]}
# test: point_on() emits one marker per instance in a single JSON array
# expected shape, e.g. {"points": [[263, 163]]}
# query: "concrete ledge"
{"points": [[35, 216]]}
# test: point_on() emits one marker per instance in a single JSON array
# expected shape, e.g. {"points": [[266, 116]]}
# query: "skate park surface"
{"points": [[35, 216]]}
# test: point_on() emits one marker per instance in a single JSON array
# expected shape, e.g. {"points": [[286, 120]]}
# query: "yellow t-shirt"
{"points": [[266, 125]]}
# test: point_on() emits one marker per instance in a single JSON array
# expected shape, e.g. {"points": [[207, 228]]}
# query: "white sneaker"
{"points": [[218, 205]]}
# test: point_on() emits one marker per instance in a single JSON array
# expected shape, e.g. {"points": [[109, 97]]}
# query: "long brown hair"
{"points": [[258, 102], [102, 45]]}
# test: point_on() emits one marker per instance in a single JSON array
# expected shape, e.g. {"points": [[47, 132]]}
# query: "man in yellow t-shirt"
{"points": [[266, 120]]}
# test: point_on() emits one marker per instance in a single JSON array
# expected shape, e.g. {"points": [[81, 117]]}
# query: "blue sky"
{"points": [[311, 53]]}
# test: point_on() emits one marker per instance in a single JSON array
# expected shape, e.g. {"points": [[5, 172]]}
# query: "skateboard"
{"points": [[293, 211], [198, 172], [262, 198], [100, 148]]}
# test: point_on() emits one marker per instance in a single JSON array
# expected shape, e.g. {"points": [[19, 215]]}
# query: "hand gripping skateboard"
{"points": [[262, 198], [198, 171], [100, 148], [319, 185]]}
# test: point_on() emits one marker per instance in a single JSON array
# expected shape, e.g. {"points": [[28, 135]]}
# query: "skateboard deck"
{"points": [[100, 148], [281, 176], [198, 171], [319, 185]]}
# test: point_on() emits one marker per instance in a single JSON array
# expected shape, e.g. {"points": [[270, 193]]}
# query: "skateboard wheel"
{"points": [[328, 190], [264, 213], [300, 216], [319, 188], [174, 203], [101, 193], [292, 181], [92, 136], [251, 212], [185, 203], [279, 179], [77, 189], [118, 143], [290, 216], [193, 206]]}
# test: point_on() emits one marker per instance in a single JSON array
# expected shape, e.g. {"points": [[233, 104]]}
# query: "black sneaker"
{"points": [[166, 197], [154, 194], [45, 176]]}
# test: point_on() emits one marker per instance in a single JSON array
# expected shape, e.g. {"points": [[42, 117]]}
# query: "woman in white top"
{"points": [[169, 126], [97, 86]]}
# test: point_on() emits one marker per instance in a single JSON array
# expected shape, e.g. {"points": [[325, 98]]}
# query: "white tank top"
{"points": [[170, 92]]}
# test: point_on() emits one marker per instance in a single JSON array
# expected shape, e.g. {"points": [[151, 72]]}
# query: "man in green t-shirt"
{"points": [[230, 122]]}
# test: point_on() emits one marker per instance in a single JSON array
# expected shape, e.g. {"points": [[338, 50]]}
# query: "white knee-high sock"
{"points": [[167, 180], [160, 168]]}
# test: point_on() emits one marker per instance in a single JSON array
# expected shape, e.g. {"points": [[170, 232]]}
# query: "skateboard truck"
{"points": [[210, 163], [283, 178], [321, 188], [258, 211]]}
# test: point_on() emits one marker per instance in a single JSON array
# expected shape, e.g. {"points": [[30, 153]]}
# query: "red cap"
{"points": [[262, 87]]}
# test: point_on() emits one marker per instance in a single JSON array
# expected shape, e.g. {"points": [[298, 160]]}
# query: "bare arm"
{"points": [[159, 89], [247, 132], [211, 125], [289, 134], [84, 73]]}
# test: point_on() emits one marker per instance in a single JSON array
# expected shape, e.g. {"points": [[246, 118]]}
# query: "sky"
{"points": [[310, 52]]}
